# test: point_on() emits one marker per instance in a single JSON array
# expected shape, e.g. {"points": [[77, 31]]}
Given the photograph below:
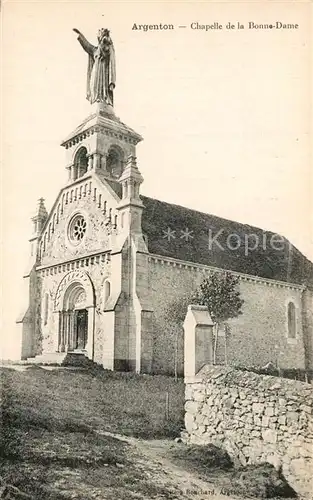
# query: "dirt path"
{"points": [[162, 471], [56, 454]]}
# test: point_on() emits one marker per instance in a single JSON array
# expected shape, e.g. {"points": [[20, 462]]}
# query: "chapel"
{"points": [[109, 267]]}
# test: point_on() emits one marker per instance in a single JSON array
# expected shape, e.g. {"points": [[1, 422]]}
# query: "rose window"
{"points": [[77, 229]]}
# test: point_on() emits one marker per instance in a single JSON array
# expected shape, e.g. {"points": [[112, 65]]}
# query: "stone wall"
{"points": [[256, 418], [257, 336], [30, 319], [307, 320]]}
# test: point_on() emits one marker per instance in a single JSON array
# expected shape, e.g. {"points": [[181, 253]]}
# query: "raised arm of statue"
{"points": [[87, 46]]}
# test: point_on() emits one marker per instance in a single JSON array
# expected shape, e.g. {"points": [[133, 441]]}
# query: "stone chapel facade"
{"points": [[108, 265]]}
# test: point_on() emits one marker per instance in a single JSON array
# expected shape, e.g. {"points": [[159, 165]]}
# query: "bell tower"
{"points": [[100, 144]]}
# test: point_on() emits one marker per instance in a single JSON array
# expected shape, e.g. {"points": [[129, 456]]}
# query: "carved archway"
{"points": [[75, 297], [75, 304], [72, 279]]}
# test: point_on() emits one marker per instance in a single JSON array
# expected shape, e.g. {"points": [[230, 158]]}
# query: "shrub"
{"points": [[261, 481]]}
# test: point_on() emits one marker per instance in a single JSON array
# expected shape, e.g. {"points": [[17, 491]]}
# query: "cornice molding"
{"points": [[102, 124], [85, 260], [102, 130], [160, 259]]}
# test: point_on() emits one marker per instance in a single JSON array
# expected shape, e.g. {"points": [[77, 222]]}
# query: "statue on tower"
{"points": [[101, 73]]}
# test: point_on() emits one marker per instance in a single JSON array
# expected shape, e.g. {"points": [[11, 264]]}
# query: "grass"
{"points": [[129, 404], [50, 423], [53, 448], [261, 481]]}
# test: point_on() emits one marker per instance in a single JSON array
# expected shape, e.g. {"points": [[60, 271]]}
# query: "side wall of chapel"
{"points": [[256, 337], [307, 319], [30, 323]]}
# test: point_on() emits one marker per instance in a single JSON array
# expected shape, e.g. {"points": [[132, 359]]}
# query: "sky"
{"points": [[226, 115]]}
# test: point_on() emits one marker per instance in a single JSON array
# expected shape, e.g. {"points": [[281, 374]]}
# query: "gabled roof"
{"points": [[184, 234], [98, 178]]}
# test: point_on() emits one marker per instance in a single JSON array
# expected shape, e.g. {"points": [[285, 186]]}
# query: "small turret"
{"points": [[131, 179], [130, 207], [40, 217], [38, 220]]}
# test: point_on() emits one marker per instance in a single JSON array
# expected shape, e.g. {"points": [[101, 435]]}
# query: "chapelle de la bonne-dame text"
{"points": [[216, 26]]}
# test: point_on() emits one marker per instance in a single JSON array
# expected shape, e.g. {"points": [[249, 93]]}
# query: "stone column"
{"points": [[69, 338], [90, 162], [61, 331], [90, 332], [97, 161], [67, 329], [70, 172], [70, 328], [74, 330], [103, 163], [64, 331], [74, 172]]}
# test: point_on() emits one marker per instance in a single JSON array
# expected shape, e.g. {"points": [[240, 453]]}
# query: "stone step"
{"points": [[77, 359], [55, 358], [61, 359]]}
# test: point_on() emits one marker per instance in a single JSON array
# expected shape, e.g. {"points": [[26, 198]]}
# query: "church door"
{"points": [[81, 328]]}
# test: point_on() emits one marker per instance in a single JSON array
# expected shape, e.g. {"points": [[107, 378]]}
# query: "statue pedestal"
{"points": [[103, 107]]}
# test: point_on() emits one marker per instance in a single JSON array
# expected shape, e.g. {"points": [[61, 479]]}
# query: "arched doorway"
{"points": [[75, 304], [73, 331]]}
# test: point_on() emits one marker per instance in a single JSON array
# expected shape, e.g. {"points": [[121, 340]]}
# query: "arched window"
{"points": [[80, 163], [291, 320], [106, 291], [114, 161]]}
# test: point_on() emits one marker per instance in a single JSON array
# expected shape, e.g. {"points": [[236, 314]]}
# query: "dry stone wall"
{"points": [[256, 418]]}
